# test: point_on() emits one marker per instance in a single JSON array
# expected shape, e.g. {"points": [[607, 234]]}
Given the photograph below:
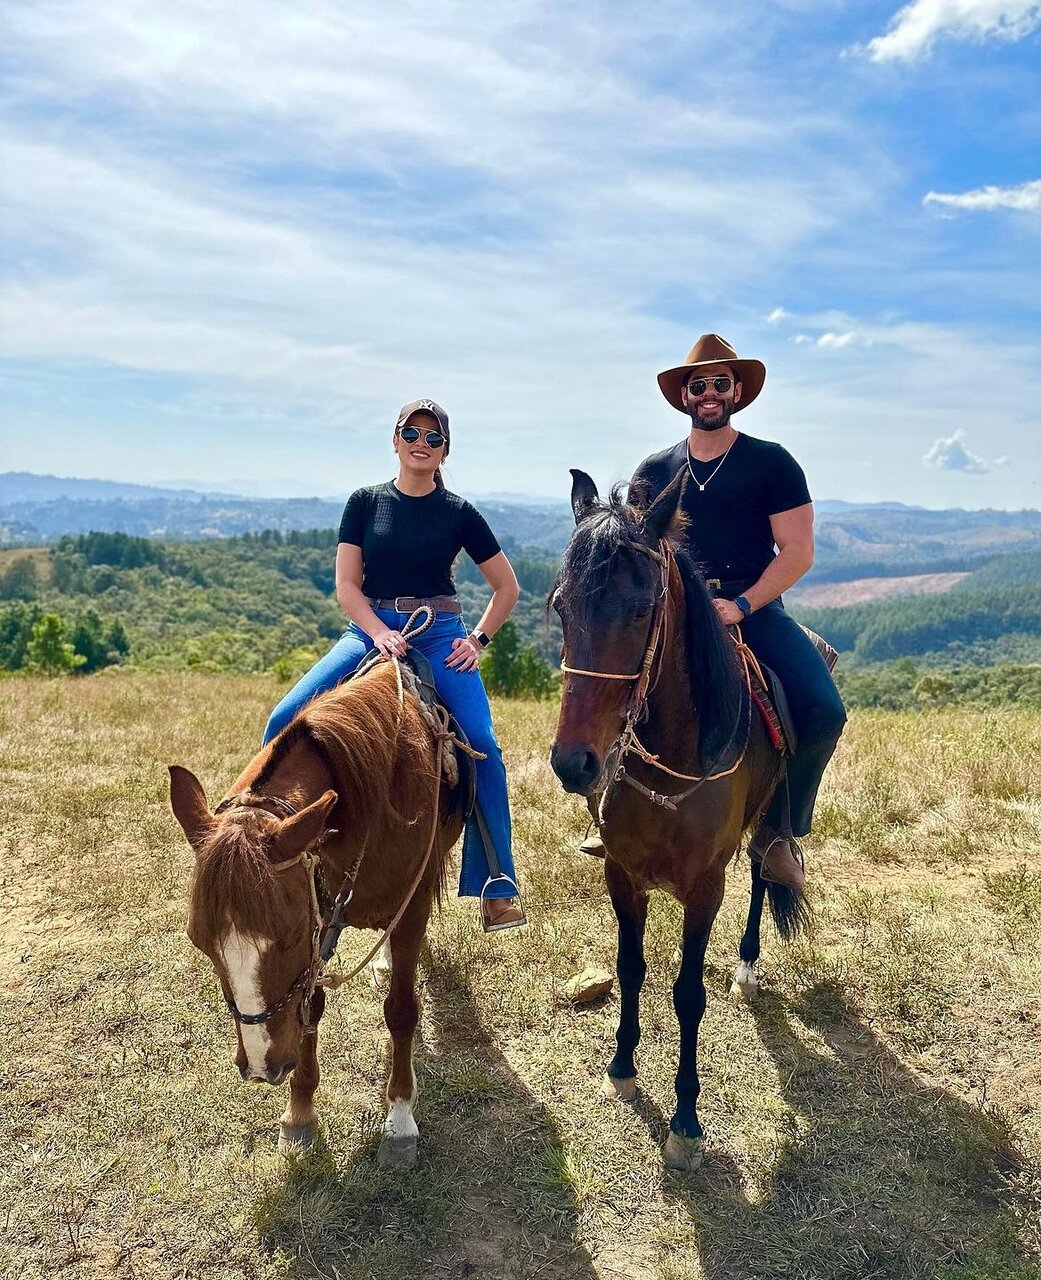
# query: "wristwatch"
{"points": [[743, 604], [483, 640]]}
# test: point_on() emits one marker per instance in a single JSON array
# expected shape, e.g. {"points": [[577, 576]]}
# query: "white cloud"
{"points": [[916, 27], [1025, 198], [951, 454], [277, 227]]}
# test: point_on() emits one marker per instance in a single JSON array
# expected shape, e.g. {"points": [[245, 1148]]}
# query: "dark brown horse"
{"points": [[344, 817], [658, 729]]}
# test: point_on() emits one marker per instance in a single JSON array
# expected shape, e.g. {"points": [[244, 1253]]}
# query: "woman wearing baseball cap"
{"points": [[398, 541]]}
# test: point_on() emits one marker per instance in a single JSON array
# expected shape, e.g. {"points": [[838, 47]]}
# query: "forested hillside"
{"points": [[264, 602], [992, 615], [253, 603], [853, 541]]}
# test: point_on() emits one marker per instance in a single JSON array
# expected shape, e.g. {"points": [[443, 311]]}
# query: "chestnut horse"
{"points": [[657, 728], [343, 819]]}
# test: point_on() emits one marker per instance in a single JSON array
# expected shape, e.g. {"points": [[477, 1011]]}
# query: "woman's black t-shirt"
{"points": [[408, 545], [728, 530]]}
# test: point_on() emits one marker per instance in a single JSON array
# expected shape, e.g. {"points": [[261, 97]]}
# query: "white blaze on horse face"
{"points": [[243, 955]]}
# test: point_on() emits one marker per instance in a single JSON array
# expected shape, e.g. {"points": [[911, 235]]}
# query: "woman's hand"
{"points": [[465, 655], [392, 644]]}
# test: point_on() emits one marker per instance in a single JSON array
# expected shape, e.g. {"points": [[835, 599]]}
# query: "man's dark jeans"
{"points": [[780, 643]]}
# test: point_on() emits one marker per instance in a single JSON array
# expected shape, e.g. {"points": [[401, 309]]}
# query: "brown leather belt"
{"points": [[409, 604]]}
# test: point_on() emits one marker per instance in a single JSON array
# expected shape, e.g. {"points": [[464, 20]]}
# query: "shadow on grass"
{"points": [[881, 1175], [491, 1195]]}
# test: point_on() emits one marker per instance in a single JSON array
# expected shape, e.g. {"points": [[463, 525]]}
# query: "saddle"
{"points": [[457, 766], [769, 696]]}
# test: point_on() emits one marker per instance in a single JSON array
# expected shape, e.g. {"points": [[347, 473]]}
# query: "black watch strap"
{"points": [[743, 604], [483, 640]]}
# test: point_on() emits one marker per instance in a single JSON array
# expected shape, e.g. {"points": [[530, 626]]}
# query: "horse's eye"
{"points": [[643, 611]]}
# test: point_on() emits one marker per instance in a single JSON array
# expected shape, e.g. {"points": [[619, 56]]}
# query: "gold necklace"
{"points": [[690, 467]]}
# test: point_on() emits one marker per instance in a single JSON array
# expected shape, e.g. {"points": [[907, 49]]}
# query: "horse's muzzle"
{"points": [[273, 1075], [577, 767]]}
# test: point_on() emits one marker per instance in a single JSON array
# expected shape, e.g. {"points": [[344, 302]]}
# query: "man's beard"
{"points": [[717, 425]]}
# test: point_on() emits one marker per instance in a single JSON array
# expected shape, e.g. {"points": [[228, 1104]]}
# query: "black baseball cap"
{"points": [[425, 406]]}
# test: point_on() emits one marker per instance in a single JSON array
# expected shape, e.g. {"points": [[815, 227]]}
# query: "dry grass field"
{"points": [[872, 1115]]}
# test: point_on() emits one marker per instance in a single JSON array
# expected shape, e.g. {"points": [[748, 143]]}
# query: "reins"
{"points": [[326, 937], [628, 742]]}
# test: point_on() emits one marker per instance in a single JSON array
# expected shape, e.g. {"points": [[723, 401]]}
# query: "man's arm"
{"points": [[793, 534]]}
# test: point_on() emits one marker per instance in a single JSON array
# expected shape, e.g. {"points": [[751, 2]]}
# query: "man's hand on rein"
{"points": [[729, 613]]}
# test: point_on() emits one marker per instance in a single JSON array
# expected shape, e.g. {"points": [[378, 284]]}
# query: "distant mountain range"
{"points": [[853, 540]]}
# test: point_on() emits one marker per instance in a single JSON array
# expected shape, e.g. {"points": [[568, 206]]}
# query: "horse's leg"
{"points": [[745, 981], [298, 1127], [684, 1147], [401, 1011], [630, 908]]}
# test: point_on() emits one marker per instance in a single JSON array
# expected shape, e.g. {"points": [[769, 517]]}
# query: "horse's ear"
{"points": [[659, 516], [301, 830], [584, 496], [188, 802]]}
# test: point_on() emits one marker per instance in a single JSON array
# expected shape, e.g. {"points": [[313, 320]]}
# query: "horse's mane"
{"points": [[612, 529], [233, 880], [354, 729], [379, 775]]}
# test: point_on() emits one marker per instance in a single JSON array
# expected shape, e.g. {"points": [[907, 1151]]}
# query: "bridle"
{"points": [[325, 934], [628, 742]]}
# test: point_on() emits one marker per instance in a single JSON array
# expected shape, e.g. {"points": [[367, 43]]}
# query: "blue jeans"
{"points": [[464, 695], [780, 643]]}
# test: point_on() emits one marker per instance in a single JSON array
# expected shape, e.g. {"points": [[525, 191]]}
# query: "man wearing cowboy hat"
{"points": [[750, 530]]}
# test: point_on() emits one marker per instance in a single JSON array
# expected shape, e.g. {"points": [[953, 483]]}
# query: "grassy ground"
{"points": [[870, 1116]]}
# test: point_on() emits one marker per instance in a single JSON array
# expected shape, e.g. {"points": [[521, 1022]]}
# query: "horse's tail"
{"points": [[790, 909]]}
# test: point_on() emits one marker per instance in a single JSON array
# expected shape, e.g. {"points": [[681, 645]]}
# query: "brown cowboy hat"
{"points": [[710, 348]]}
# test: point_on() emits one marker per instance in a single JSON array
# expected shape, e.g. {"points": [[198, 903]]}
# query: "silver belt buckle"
{"points": [[396, 599], [714, 584]]}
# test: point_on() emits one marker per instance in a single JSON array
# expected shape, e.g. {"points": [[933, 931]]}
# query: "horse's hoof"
{"points": [[296, 1139], [683, 1154], [619, 1090], [745, 983], [400, 1152]]}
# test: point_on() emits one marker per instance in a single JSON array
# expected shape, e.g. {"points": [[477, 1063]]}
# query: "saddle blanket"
{"points": [[769, 696]]}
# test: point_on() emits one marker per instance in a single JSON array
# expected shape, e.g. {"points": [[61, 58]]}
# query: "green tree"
{"points": [[99, 644], [49, 651], [21, 581], [16, 629], [516, 670]]}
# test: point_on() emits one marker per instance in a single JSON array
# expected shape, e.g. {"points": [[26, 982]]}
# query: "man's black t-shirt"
{"points": [[729, 531], [408, 544]]}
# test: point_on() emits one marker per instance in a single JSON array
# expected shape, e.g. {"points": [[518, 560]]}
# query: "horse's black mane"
{"points": [[612, 529]]}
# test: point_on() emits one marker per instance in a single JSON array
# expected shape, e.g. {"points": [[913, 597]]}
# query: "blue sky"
{"points": [[240, 236]]}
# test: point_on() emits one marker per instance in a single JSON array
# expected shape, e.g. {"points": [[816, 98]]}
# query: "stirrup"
{"points": [[795, 848], [509, 924]]}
